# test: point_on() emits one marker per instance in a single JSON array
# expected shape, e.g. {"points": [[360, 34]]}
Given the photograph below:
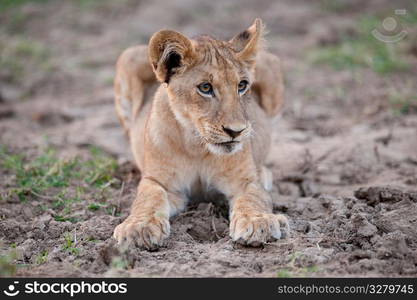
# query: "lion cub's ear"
{"points": [[169, 53], [249, 42]]}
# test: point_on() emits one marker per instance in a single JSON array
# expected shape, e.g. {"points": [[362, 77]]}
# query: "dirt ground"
{"points": [[344, 155]]}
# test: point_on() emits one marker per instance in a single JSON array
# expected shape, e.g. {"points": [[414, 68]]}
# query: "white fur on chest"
{"points": [[194, 178]]}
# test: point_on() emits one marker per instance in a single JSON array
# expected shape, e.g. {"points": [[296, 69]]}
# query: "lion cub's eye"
{"points": [[242, 87], [206, 89]]}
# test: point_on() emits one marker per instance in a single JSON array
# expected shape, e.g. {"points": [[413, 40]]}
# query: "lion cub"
{"points": [[206, 129]]}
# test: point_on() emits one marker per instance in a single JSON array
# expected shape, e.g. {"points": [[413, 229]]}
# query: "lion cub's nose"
{"points": [[234, 131]]}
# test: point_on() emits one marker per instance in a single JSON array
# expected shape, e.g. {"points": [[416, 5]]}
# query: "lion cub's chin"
{"points": [[225, 148]]}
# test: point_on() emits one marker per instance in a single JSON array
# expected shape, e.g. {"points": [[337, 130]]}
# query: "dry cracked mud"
{"points": [[344, 154]]}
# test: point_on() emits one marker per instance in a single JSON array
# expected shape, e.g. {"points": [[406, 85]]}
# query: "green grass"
{"points": [[7, 265], [32, 177], [42, 257], [411, 17], [19, 55], [405, 106], [284, 273], [99, 169], [362, 50], [69, 245], [110, 209], [8, 4], [16, 19], [95, 206], [402, 103], [310, 269], [294, 270], [60, 218], [335, 6], [98, 4], [297, 272], [62, 183], [89, 4], [119, 263], [64, 202], [92, 239]]}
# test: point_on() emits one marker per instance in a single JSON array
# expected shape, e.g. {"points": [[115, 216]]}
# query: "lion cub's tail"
{"points": [[134, 75]]}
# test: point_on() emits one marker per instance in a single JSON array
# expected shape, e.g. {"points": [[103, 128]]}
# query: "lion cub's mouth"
{"points": [[229, 143], [229, 147]]}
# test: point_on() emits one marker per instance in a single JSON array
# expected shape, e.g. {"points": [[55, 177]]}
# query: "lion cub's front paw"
{"points": [[256, 229], [146, 232]]}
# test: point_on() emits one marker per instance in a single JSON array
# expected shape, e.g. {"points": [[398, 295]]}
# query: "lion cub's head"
{"points": [[208, 83]]}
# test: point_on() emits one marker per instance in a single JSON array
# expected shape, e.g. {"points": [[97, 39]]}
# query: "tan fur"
{"points": [[177, 137]]}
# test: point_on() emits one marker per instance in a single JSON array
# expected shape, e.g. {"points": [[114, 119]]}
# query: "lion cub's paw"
{"points": [[254, 230], [144, 232]]}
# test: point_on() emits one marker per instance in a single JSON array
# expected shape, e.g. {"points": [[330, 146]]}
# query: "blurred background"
{"points": [[357, 58], [350, 117], [343, 60]]}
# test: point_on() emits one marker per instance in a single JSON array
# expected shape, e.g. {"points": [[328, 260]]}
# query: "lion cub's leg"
{"points": [[266, 178], [148, 223], [252, 221]]}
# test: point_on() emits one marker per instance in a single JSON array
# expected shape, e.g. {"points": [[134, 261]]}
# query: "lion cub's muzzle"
{"points": [[234, 131], [231, 140]]}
